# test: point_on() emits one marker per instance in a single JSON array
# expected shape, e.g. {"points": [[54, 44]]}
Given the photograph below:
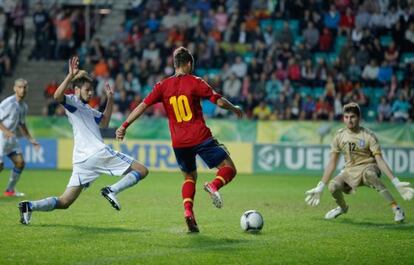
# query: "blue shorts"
{"points": [[211, 151]]}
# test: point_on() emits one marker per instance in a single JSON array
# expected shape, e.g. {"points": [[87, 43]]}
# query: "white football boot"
{"points": [[399, 214], [332, 214], [111, 197], [25, 212], [214, 194]]}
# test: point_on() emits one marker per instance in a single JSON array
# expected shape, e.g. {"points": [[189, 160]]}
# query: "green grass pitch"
{"points": [[150, 228]]}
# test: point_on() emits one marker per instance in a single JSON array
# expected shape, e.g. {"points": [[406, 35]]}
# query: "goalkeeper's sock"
{"points": [[388, 197], [188, 191], [48, 204], [339, 199], [130, 179], [223, 177]]}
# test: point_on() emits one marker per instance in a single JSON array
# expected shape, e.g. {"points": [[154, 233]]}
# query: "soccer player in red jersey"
{"points": [[180, 95]]}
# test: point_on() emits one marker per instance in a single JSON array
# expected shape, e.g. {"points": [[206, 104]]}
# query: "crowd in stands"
{"points": [[279, 60], [57, 31], [12, 34]]}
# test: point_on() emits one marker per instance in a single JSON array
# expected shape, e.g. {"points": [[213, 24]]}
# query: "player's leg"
{"points": [[370, 178], [114, 163], [188, 191], [336, 187], [18, 162], [131, 176], [48, 204], [216, 155], [186, 161]]}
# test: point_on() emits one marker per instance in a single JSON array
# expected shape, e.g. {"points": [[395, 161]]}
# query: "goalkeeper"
{"points": [[363, 166]]}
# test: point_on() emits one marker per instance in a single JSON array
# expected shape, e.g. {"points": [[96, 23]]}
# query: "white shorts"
{"points": [[106, 161], [9, 147]]}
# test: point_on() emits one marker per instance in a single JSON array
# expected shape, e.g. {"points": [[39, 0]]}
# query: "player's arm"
{"points": [[73, 70], [313, 196], [330, 167], [106, 115], [404, 188], [153, 97], [205, 91], [6, 132], [225, 104], [26, 133], [135, 114], [383, 166]]}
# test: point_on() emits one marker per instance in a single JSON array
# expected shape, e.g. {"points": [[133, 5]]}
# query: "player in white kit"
{"points": [[91, 157], [12, 117]]}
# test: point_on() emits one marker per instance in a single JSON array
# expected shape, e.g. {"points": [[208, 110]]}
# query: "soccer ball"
{"points": [[251, 221]]}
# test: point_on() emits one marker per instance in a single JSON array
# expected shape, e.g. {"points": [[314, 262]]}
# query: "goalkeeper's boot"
{"points": [[13, 193], [399, 214], [191, 222], [332, 214], [25, 212], [111, 197], [214, 194]]}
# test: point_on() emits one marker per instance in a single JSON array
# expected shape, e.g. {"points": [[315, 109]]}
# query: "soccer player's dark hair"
{"points": [[79, 82], [352, 108], [182, 56]]}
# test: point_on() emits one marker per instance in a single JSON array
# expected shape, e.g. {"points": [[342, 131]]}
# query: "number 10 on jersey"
{"points": [[181, 108]]}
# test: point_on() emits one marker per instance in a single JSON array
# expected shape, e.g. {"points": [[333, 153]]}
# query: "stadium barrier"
{"points": [[158, 155], [289, 159], [226, 130], [312, 159], [44, 158]]}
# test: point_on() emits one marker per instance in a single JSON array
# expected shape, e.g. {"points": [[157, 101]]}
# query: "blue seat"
{"points": [[278, 24], [264, 23], [294, 25], [304, 91], [386, 40], [339, 43], [318, 91], [319, 55], [331, 57], [201, 72], [407, 57]]}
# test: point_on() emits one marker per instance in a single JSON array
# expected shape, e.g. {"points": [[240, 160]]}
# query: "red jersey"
{"points": [[181, 96]]}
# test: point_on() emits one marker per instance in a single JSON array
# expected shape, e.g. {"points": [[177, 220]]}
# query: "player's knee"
{"points": [[20, 164], [63, 203], [141, 169], [372, 180], [234, 173], [333, 186], [144, 172]]}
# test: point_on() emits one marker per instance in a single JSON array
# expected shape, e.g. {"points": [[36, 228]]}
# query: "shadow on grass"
{"points": [[205, 242], [94, 229], [393, 226]]}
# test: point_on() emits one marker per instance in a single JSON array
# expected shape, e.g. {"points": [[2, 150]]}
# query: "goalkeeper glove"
{"points": [[314, 195], [404, 188]]}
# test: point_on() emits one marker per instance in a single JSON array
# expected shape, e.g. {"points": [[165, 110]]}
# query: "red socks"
{"points": [[188, 192], [224, 175]]}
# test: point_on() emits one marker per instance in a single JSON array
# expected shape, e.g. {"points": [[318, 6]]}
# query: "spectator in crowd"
{"points": [[400, 109], [303, 43], [384, 110], [311, 36], [370, 73], [261, 111]]}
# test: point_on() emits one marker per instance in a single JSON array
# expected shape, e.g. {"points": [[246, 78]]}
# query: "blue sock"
{"points": [[129, 180], [14, 178], [47, 204]]}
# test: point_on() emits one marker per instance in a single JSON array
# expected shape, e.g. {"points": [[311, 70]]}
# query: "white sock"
{"points": [[14, 177], [47, 204], [127, 181]]}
